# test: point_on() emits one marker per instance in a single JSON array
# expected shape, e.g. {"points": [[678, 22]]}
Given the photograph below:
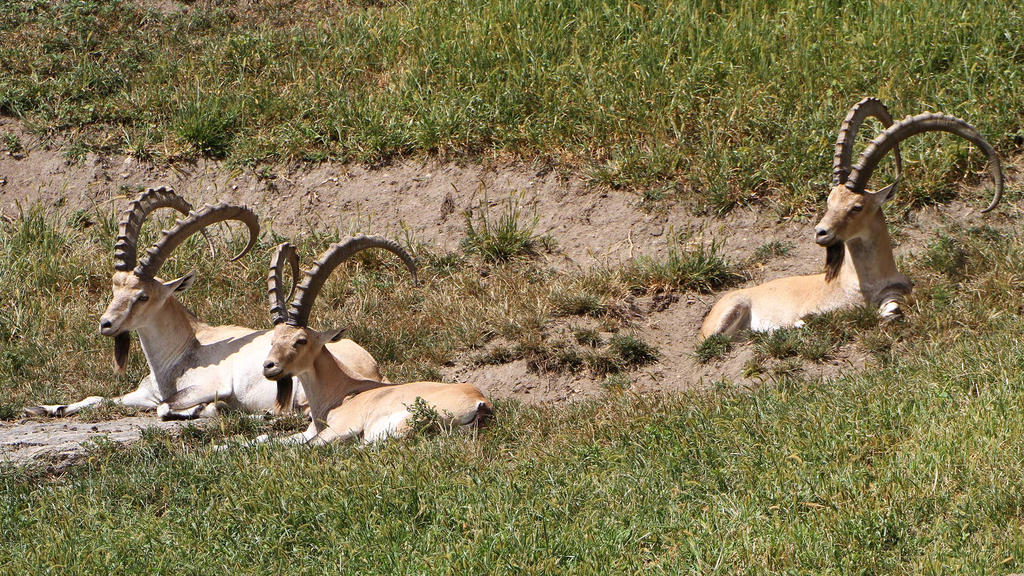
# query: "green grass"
{"points": [[701, 268], [736, 102], [713, 347], [913, 465], [501, 238]]}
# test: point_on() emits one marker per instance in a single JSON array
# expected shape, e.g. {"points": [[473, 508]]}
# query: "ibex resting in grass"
{"points": [[193, 366], [343, 404], [859, 264]]}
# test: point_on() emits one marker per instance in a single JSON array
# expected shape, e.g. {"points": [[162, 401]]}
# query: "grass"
{"points": [[910, 466], [914, 467], [701, 268], [712, 348], [728, 102], [770, 250], [500, 239]]}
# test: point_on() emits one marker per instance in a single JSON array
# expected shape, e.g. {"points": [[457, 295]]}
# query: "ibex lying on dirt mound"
{"points": [[344, 405], [193, 365], [859, 264]]}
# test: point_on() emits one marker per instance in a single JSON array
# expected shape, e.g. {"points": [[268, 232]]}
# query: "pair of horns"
{"points": [[297, 312], [861, 111], [126, 245], [856, 177]]}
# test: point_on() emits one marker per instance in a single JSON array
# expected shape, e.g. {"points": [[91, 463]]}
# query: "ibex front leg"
{"points": [[142, 398]]}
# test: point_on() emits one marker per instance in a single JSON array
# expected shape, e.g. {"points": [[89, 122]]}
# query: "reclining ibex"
{"points": [[859, 264], [193, 365], [343, 404]]}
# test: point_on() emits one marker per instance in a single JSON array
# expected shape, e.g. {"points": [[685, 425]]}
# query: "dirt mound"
{"points": [[424, 201]]}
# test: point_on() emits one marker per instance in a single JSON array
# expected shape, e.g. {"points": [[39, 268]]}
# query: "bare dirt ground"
{"points": [[425, 200], [62, 441]]}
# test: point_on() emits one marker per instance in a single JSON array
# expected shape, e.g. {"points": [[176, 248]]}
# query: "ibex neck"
{"points": [[329, 383], [869, 266], [165, 340]]}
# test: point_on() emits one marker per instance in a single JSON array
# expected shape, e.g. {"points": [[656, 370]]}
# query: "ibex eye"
{"points": [[300, 342], [857, 208], [143, 297]]}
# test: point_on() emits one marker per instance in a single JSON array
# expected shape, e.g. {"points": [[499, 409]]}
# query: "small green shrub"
{"points": [[499, 240], [713, 347], [632, 351], [701, 268]]}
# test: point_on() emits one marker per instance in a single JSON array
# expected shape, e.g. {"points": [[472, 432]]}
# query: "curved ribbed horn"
{"points": [[278, 301], [196, 221], [911, 125], [314, 278], [132, 218], [868, 107]]}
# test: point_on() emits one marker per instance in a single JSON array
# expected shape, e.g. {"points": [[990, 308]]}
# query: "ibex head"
{"points": [[138, 294], [295, 345], [851, 208]]}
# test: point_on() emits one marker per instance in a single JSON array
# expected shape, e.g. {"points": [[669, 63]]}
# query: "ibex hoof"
{"points": [[44, 410], [890, 311], [35, 411]]}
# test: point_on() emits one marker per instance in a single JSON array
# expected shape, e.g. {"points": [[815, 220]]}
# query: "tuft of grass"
{"points": [[500, 239], [207, 125], [424, 417], [713, 347], [701, 268], [781, 343], [770, 250], [553, 356], [631, 351], [587, 337], [947, 256], [11, 143], [616, 382], [496, 356], [578, 303]]}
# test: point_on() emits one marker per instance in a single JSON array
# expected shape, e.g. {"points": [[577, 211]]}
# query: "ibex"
{"points": [[193, 366], [859, 264], [343, 404]]}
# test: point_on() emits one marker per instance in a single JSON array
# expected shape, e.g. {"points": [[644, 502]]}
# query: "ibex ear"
{"points": [[333, 335], [181, 284], [888, 192]]}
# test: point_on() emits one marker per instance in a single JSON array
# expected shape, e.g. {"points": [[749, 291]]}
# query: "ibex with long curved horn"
{"points": [[192, 365], [343, 404], [859, 264]]}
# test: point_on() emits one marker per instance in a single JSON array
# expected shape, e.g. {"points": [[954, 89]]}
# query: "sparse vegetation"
{"points": [[504, 238], [11, 143], [769, 250], [713, 347], [701, 268], [578, 303], [632, 351]]}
